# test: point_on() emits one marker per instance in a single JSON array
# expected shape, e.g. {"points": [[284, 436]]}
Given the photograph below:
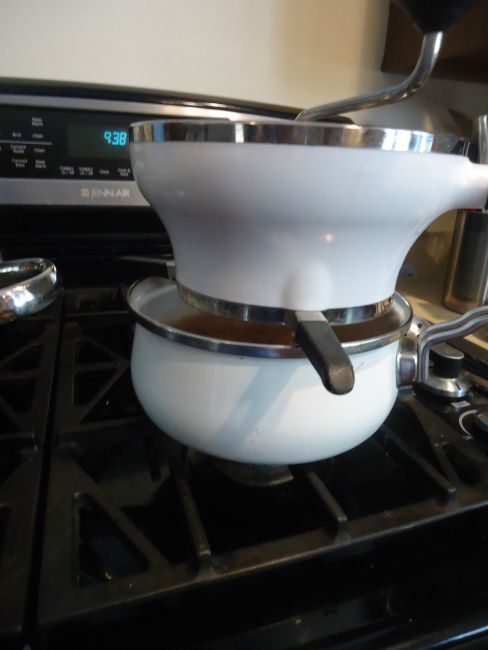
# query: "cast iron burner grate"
{"points": [[27, 360], [142, 536]]}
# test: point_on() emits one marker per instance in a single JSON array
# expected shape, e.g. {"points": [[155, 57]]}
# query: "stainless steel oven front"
{"points": [[69, 145]]}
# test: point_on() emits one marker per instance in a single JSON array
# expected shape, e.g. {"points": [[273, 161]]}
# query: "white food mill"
{"points": [[301, 225]]}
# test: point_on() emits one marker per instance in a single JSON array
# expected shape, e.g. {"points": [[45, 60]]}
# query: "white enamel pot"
{"points": [[297, 216], [254, 403]]}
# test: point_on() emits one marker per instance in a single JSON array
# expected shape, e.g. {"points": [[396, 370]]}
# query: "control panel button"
{"points": [[66, 170], [123, 172], [19, 163], [18, 149], [85, 171]]}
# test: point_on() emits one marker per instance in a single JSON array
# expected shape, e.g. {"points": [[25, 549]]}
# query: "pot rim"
{"points": [[298, 133], [149, 288]]}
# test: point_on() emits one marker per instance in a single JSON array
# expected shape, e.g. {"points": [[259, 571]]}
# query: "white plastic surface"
{"points": [[298, 227]]}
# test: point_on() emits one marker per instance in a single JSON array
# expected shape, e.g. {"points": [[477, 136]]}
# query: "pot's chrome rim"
{"points": [[260, 314], [154, 285], [298, 133]]}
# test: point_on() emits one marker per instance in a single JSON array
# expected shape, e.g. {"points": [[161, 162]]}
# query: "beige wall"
{"points": [[294, 52], [291, 52]]}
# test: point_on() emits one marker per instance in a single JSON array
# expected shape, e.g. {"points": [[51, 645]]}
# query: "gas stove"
{"points": [[112, 532], [112, 535]]}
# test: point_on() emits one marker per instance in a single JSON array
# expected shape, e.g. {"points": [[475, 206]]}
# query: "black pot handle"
{"points": [[324, 350], [435, 15]]}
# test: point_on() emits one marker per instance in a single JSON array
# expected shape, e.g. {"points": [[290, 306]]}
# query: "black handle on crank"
{"points": [[435, 15], [325, 352]]}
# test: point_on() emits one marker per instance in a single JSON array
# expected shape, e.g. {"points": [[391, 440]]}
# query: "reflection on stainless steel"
{"points": [[298, 133], [407, 360], [172, 108], [28, 286], [431, 46], [477, 380], [261, 314], [370, 335], [480, 138], [450, 388], [481, 420], [466, 283]]}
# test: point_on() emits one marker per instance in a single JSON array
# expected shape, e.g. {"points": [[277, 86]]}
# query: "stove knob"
{"points": [[447, 361], [446, 378]]}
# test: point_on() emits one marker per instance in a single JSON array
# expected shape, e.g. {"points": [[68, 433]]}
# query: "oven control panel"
{"points": [[63, 149], [65, 145], [53, 155]]}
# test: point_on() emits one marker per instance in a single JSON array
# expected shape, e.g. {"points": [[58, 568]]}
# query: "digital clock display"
{"points": [[91, 141], [116, 138]]}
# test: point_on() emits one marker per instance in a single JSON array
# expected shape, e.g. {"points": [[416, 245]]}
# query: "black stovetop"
{"points": [[114, 536]]}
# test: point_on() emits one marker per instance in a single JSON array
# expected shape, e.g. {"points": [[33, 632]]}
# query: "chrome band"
{"points": [[299, 133], [258, 314], [398, 321], [32, 284]]}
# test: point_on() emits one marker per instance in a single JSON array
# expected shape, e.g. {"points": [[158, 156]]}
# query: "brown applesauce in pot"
{"points": [[234, 330], [227, 329]]}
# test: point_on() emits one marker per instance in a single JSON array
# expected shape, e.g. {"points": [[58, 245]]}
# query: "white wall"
{"points": [[293, 52]]}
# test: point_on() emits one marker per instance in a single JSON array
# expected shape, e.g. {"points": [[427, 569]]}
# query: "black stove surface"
{"points": [[27, 364], [114, 536]]}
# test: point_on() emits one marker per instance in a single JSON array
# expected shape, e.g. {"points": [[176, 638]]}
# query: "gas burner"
{"points": [[218, 470], [253, 475]]}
